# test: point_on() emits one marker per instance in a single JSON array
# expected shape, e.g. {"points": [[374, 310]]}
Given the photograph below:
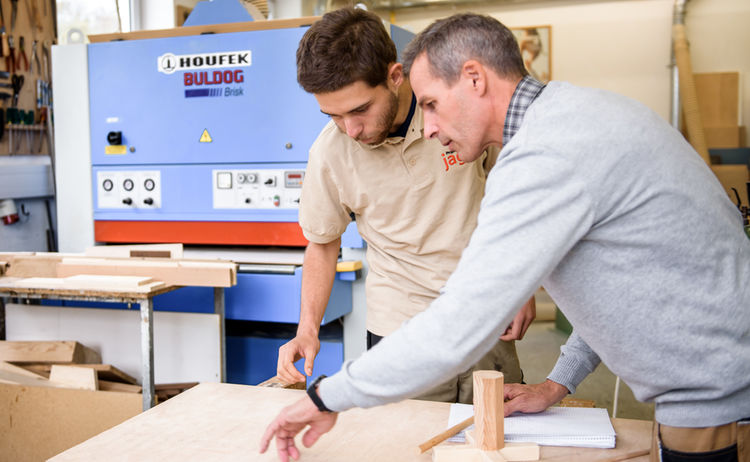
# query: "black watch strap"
{"points": [[312, 392]]}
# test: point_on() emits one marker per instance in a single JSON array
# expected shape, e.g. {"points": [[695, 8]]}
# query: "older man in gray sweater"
{"points": [[598, 199]]}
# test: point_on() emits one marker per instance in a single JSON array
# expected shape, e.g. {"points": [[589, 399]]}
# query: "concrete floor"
{"points": [[538, 352]]}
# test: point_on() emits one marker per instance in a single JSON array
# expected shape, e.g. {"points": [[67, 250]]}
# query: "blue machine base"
{"points": [[251, 358]]}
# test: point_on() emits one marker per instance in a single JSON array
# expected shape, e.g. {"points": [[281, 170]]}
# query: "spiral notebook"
{"points": [[557, 426]]}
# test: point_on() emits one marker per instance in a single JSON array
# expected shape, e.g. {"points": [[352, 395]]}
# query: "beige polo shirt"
{"points": [[415, 205]]}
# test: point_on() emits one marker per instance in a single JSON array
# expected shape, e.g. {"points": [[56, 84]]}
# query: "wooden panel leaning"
{"points": [[48, 352], [74, 377], [104, 371]]}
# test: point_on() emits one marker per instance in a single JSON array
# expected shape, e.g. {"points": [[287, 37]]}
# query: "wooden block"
{"points": [[520, 451], [488, 410], [733, 176], [103, 371], [512, 452], [492, 456], [74, 377], [456, 453], [61, 352], [470, 438], [137, 250], [277, 382], [106, 385], [718, 98]]}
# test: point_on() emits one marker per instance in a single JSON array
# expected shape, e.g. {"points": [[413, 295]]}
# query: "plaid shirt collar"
{"points": [[526, 92]]}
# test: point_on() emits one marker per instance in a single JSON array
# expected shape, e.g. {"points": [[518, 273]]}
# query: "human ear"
{"points": [[395, 74], [473, 72]]}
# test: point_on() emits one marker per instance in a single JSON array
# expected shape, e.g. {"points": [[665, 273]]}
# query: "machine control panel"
{"points": [[257, 189], [128, 189]]}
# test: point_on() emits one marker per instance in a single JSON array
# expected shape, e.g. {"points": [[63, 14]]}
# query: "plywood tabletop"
{"points": [[224, 422], [15, 287]]}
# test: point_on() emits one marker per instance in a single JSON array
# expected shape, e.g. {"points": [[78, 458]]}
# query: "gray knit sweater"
{"points": [[604, 204]]}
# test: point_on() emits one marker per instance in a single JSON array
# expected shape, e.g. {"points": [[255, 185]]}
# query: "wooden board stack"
{"points": [[62, 364], [160, 263]]}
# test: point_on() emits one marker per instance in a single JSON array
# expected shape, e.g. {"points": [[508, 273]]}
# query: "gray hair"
{"points": [[452, 41]]}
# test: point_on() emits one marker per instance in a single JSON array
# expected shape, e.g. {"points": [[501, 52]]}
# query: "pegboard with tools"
{"points": [[27, 32]]}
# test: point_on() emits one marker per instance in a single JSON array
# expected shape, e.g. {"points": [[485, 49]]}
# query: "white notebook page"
{"points": [[557, 426]]}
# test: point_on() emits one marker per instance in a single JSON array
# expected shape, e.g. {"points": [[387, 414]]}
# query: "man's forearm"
{"points": [[318, 273]]}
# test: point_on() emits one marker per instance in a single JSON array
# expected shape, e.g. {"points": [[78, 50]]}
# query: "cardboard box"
{"points": [[40, 422]]}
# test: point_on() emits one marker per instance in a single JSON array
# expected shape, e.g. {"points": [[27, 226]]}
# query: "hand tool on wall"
{"points": [[34, 18], [17, 81], [53, 10], [45, 56], [10, 58], [13, 15], [34, 59], [4, 48], [22, 55], [3, 37]]}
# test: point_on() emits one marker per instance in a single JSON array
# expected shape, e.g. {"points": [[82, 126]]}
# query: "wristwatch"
{"points": [[312, 392]]}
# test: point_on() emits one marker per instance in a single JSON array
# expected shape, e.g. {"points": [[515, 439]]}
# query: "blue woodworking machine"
{"points": [[203, 139]]}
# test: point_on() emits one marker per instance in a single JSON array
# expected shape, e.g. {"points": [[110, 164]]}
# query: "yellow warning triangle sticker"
{"points": [[205, 137]]}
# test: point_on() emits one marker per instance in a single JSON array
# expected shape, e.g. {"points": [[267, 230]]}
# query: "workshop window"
{"points": [[77, 19]]}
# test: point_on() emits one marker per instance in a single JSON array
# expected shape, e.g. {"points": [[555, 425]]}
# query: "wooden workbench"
{"points": [[223, 422], [143, 296]]}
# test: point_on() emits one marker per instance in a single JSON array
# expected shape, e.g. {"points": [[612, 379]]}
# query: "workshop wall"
{"points": [[34, 22], [27, 136], [623, 46], [32, 231]]}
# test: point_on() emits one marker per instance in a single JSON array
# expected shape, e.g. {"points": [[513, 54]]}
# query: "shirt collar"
{"points": [[527, 90]]}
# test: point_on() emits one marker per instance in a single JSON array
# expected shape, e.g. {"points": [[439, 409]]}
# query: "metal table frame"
{"points": [[145, 303]]}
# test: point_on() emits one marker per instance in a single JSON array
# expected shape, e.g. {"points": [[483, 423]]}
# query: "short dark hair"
{"points": [[452, 41], [343, 47]]}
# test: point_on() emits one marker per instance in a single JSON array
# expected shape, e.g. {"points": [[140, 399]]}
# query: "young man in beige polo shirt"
{"points": [[415, 201]]}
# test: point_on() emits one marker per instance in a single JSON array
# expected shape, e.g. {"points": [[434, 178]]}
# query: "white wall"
{"points": [[623, 46]]}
